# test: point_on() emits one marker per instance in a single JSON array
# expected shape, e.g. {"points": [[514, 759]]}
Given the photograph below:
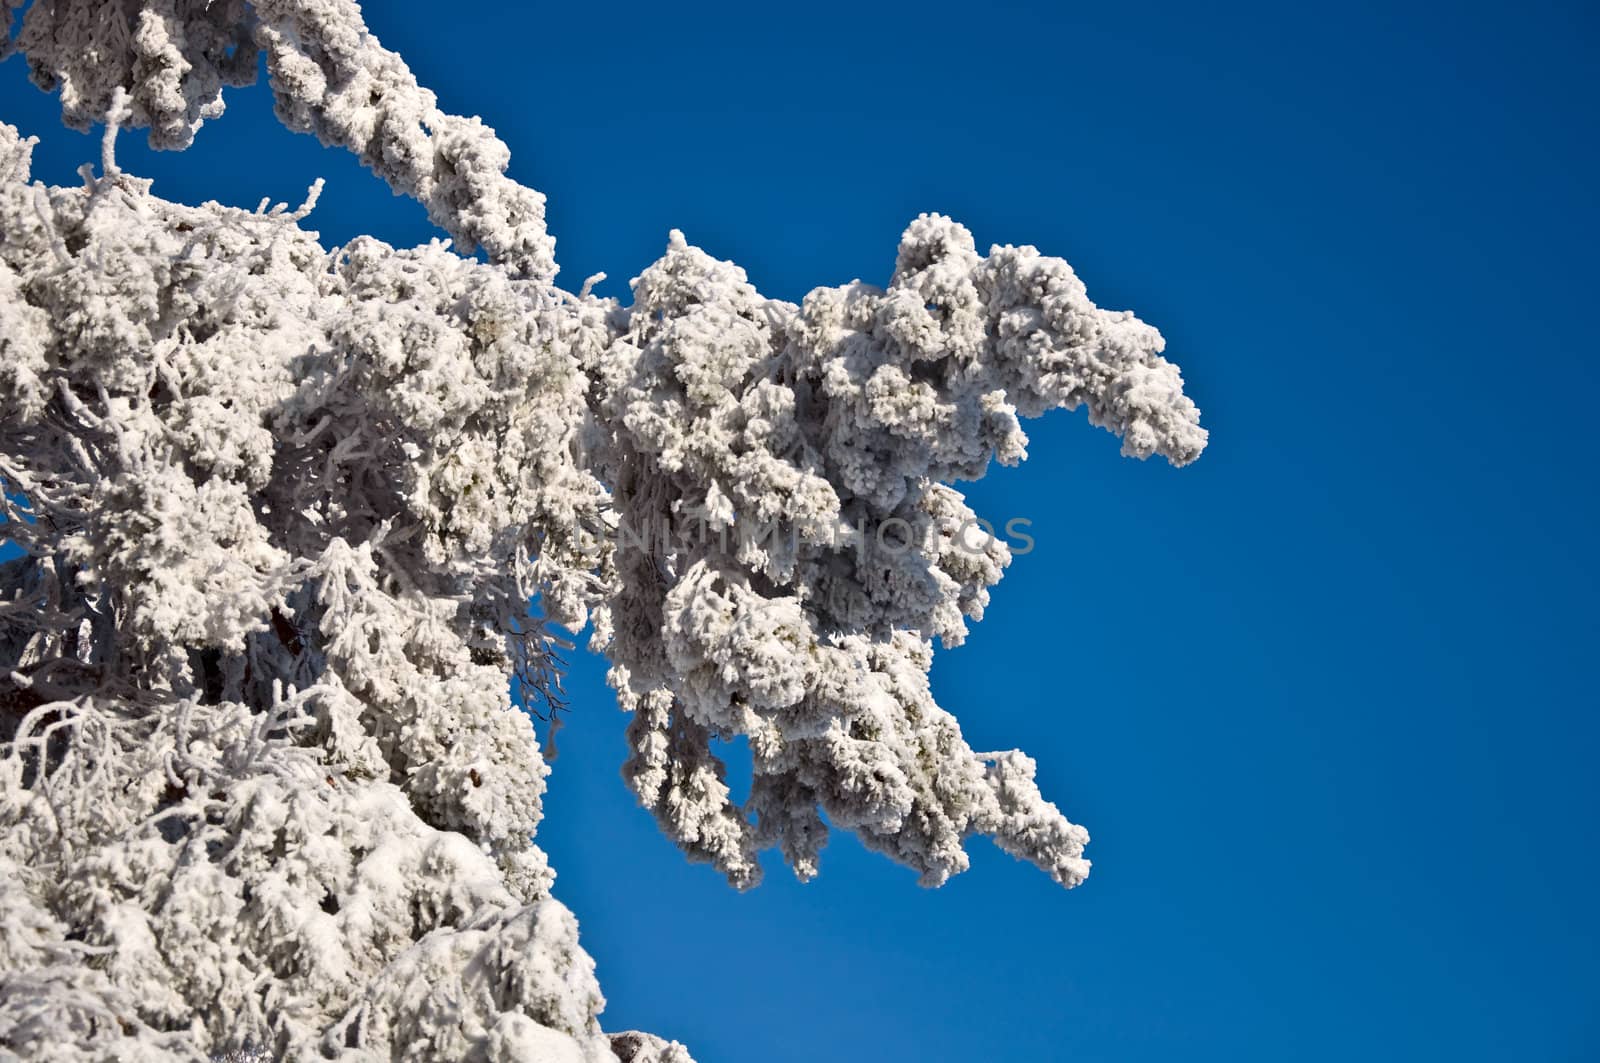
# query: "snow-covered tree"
{"points": [[283, 510]]}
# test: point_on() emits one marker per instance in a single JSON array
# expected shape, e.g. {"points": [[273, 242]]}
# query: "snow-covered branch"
{"points": [[293, 519]]}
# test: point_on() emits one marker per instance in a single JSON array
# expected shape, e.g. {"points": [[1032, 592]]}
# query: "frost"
{"points": [[830, 431], [282, 510]]}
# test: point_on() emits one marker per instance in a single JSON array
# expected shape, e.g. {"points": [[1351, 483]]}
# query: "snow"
{"points": [[283, 508]]}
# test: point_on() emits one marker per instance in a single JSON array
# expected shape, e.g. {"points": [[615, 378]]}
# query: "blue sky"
{"points": [[1324, 699]]}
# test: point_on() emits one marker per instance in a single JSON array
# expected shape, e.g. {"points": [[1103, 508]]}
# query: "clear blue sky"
{"points": [[1325, 699]]}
